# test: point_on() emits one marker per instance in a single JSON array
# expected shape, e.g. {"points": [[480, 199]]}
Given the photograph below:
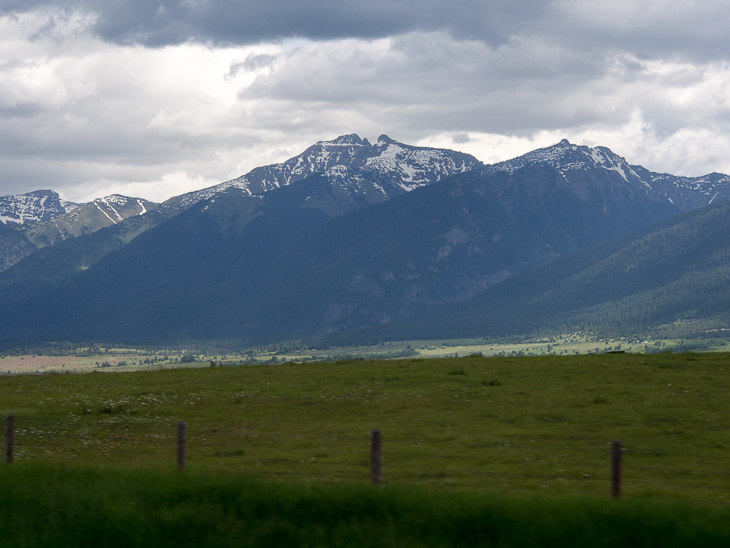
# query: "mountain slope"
{"points": [[277, 266], [676, 270], [41, 218], [13, 246], [46, 270], [87, 218], [354, 174]]}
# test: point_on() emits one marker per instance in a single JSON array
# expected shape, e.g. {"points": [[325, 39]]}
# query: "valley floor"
{"points": [[131, 359]]}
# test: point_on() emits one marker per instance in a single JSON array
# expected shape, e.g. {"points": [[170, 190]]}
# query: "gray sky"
{"points": [[152, 99]]}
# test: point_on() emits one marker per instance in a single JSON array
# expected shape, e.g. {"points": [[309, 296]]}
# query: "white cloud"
{"points": [[689, 152], [650, 28], [169, 184], [88, 117]]}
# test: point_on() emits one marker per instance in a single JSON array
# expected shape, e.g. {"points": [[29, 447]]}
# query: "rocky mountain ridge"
{"points": [[381, 170], [87, 218], [569, 159], [36, 206], [41, 218]]}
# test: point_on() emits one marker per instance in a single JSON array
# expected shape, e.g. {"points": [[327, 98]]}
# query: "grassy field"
{"points": [[514, 425], [87, 507]]}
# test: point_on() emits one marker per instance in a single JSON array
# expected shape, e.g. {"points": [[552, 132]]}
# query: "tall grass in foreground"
{"points": [[53, 505]]}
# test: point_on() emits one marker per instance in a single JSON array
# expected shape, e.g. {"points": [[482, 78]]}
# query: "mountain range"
{"points": [[354, 172], [345, 236], [41, 218]]}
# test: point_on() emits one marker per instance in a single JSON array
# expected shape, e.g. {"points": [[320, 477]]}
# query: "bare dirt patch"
{"points": [[30, 364]]}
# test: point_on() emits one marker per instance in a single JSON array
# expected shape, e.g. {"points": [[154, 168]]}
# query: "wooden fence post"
{"points": [[616, 469], [182, 445], [376, 457], [9, 437]]}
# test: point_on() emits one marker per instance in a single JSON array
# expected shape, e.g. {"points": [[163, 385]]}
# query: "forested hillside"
{"points": [[675, 271]]}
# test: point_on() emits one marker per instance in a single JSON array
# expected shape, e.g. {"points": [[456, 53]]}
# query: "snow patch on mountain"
{"points": [[349, 161], [567, 158], [42, 207], [98, 206], [713, 184], [36, 206]]}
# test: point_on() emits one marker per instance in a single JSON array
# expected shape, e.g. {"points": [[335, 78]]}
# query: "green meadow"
{"points": [[498, 451], [511, 425]]}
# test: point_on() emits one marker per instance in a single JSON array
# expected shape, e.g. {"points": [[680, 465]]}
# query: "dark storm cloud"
{"points": [[648, 29], [158, 23]]}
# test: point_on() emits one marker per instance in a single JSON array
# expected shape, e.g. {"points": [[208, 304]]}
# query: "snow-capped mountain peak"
{"points": [[567, 157], [352, 139], [389, 166], [36, 206], [384, 140], [570, 160]]}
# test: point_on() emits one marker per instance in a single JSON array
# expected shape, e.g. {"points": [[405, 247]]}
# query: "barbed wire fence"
{"points": [[613, 470]]}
